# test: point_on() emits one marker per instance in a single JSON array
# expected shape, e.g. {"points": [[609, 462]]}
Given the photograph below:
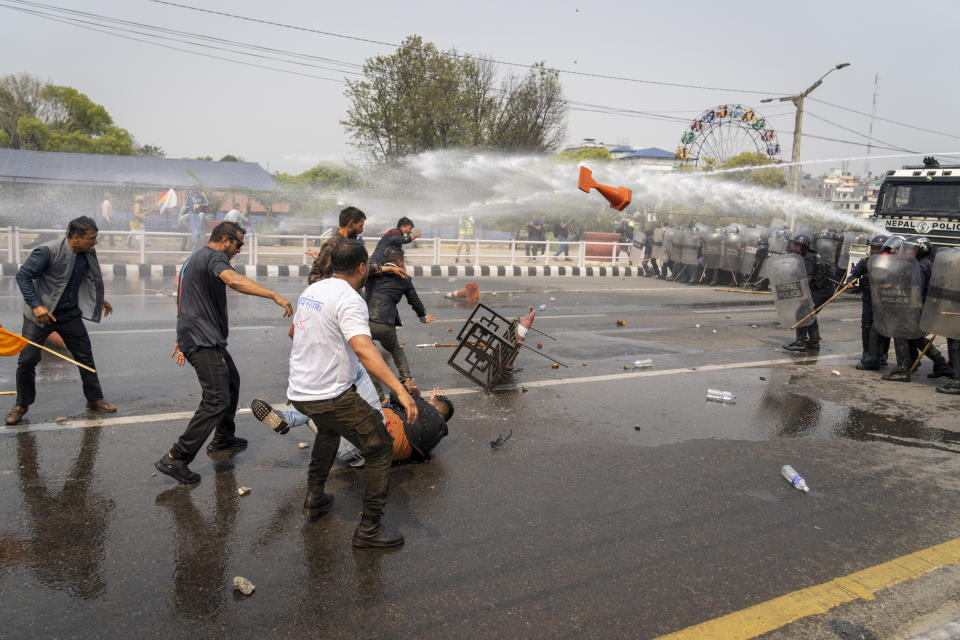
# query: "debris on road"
{"points": [[621, 323], [794, 478], [639, 364], [303, 445], [496, 444], [243, 491], [835, 372], [554, 366], [543, 307], [243, 585], [61, 420], [637, 427], [716, 395]]}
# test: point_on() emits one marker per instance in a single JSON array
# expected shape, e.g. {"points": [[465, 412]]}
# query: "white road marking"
{"points": [[186, 415], [173, 329]]}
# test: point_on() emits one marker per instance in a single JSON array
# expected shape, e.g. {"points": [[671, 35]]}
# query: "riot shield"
{"points": [[850, 238], [790, 287], [896, 289], [943, 296], [669, 236], [778, 242], [712, 249], [732, 250], [690, 247], [640, 239], [827, 248], [751, 237], [803, 227], [657, 251]]}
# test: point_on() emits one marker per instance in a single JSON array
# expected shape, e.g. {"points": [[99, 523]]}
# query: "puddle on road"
{"points": [[794, 415]]}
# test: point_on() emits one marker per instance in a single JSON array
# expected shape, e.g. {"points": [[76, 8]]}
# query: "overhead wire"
{"points": [[458, 55], [870, 115]]}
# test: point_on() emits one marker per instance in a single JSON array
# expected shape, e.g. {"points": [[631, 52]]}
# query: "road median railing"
{"points": [[158, 253]]}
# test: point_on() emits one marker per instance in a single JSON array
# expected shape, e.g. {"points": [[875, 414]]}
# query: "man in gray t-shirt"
{"points": [[202, 340]]}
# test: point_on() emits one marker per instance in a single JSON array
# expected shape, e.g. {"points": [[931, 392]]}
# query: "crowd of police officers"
{"points": [[910, 292]]}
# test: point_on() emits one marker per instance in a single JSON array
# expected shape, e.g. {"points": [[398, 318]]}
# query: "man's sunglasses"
{"points": [[234, 238]]}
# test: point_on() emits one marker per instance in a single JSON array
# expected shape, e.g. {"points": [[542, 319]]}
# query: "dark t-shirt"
{"points": [[202, 301]]}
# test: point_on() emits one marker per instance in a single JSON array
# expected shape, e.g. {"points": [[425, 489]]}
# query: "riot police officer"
{"points": [[818, 275], [871, 359], [908, 349]]}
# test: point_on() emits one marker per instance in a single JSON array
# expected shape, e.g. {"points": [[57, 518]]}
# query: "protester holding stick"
{"points": [[63, 276]]}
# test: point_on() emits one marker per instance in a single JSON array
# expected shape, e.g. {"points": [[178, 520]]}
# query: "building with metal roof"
{"points": [[92, 170]]}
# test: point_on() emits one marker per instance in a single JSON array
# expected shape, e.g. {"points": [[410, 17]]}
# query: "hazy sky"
{"points": [[194, 105]]}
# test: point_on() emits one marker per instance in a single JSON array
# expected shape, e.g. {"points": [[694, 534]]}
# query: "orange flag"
{"points": [[10, 343]]}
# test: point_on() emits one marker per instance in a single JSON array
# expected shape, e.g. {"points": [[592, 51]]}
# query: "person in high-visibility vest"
{"points": [[466, 232], [136, 222]]}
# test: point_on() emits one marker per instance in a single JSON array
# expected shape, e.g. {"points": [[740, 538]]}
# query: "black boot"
{"points": [[882, 350], [317, 502], [902, 372], [941, 369], [813, 337], [865, 342], [953, 387], [800, 344], [371, 533]]}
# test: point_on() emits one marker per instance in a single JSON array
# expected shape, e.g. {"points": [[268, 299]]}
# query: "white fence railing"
{"points": [[160, 247]]}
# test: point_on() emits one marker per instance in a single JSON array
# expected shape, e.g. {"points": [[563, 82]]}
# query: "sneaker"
{"points": [[354, 458], [176, 469], [265, 414], [220, 443]]}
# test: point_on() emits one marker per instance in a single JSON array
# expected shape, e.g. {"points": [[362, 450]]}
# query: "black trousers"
{"points": [[220, 384], [70, 326], [350, 416]]}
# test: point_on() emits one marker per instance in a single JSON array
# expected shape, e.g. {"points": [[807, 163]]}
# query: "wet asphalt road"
{"points": [[623, 505]]}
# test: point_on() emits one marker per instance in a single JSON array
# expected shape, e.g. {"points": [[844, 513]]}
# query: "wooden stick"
{"points": [[702, 273], [922, 353], [681, 272], [753, 284], [845, 287], [759, 293], [60, 355], [8, 393], [950, 313], [734, 276], [436, 344]]}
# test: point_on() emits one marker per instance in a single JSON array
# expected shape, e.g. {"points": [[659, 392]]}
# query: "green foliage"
{"points": [[421, 99], [4, 139], [771, 177], [322, 176], [230, 158], [46, 117], [151, 151], [207, 158], [585, 155]]}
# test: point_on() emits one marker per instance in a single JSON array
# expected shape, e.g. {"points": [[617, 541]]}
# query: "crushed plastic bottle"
{"points": [[794, 478], [639, 364], [721, 396]]}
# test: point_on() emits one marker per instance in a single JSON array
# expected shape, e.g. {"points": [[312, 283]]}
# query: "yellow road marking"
{"points": [[773, 614]]}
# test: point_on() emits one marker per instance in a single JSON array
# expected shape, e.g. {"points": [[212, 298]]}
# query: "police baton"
{"points": [[815, 311], [922, 353]]}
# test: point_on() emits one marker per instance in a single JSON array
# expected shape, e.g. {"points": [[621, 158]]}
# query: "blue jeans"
{"points": [[564, 247], [366, 390]]}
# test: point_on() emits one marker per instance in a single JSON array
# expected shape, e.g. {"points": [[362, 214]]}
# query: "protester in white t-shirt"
{"points": [[331, 339]]}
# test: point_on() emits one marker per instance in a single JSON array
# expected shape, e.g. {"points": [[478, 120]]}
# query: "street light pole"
{"points": [[797, 100]]}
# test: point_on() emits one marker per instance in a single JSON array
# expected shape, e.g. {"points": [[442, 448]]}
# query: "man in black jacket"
{"points": [[382, 296], [395, 238]]}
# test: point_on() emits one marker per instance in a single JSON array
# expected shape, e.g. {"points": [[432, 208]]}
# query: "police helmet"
{"points": [[803, 241], [877, 240], [892, 245], [923, 246]]}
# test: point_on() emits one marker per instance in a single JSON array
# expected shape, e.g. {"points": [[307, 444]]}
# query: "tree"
{"points": [[420, 99], [323, 176], [230, 158], [151, 151], [207, 158], [530, 113], [585, 155], [771, 177], [47, 117]]}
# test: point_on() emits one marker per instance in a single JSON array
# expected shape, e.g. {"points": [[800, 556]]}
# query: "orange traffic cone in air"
{"points": [[525, 323], [618, 197]]}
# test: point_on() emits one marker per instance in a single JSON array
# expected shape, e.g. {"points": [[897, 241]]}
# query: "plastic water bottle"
{"points": [[794, 478], [639, 364], [721, 396]]}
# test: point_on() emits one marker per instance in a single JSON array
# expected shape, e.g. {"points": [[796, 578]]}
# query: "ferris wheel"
{"points": [[720, 133]]}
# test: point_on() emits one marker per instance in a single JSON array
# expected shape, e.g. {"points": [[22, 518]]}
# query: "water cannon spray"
{"points": [[618, 197]]}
